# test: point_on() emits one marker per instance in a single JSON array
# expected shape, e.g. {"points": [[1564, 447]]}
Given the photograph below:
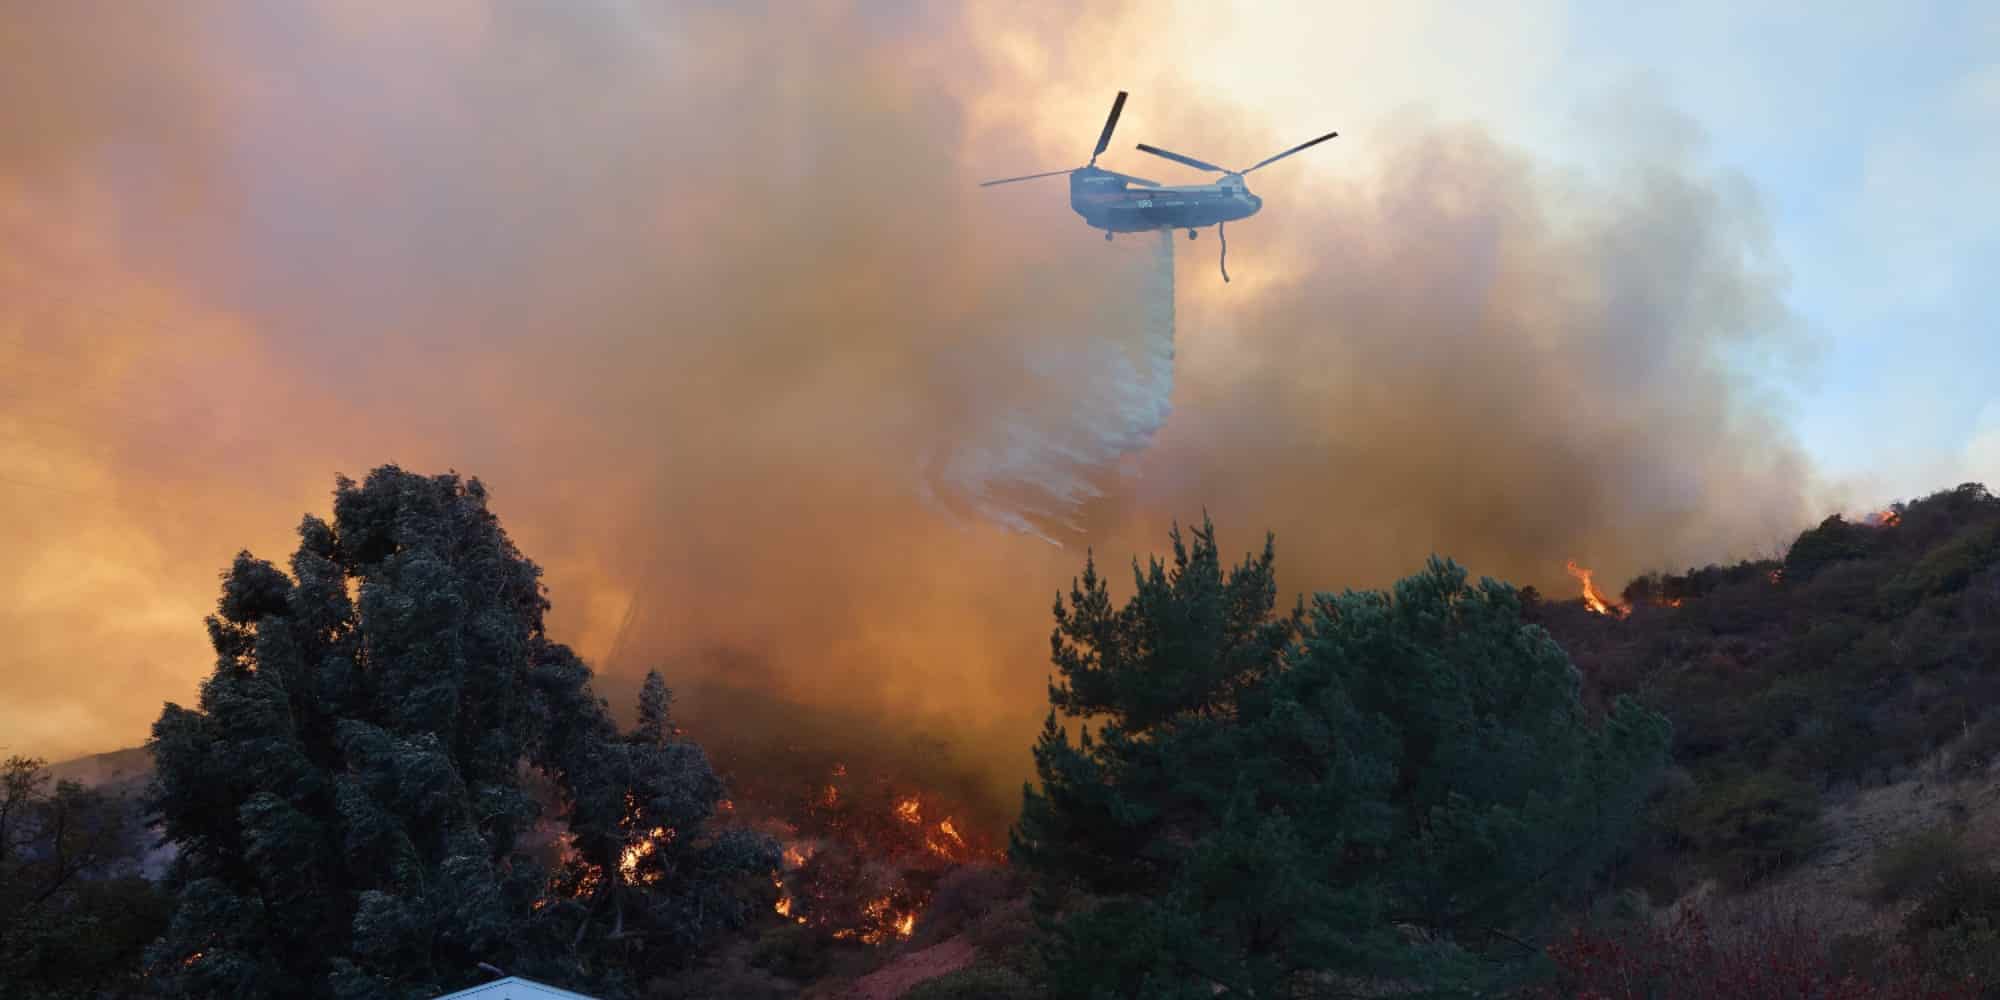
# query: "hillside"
{"points": [[1834, 729], [118, 770], [1835, 725]]}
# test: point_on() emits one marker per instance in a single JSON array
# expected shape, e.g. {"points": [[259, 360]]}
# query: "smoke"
{"points": [[709, 297], [1033, 470]]}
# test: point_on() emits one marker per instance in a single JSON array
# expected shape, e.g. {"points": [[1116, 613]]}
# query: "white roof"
{"points": [[514, 988]]}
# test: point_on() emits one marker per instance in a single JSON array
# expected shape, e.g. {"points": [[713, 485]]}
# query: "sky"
{"points": [[703, 290]]}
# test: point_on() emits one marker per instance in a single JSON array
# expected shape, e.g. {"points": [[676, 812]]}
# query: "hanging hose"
{"points": [[1225, 249]]}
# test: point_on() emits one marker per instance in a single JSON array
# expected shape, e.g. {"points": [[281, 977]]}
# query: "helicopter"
{"points": [[1122, 203]]}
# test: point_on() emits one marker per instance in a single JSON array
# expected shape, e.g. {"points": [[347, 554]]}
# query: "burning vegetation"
{"points": [[863, 849], [1591, 598]]}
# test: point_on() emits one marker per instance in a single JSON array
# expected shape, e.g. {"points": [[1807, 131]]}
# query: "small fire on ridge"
{"points": [[1591, 598]]}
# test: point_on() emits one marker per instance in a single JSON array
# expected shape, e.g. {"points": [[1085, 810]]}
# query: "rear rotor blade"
{"points": [[1294, 149], [1129, 179], [1104, 140], [1023, 177], [1178, 158]]}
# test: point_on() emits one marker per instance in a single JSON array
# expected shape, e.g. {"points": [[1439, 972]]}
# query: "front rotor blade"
{"points": [[1110, 123], [1294, 149], [1129, 179], [1024, 177], [1178, 158]]}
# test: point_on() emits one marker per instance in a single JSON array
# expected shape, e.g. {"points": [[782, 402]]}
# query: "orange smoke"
{"points": [[231, 360]]}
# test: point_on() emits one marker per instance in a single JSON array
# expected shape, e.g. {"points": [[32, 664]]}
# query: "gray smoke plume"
{"points": [[1032, 469]]}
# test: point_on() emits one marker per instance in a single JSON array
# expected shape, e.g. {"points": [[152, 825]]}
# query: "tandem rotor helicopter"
{"points": [[1109, 200]]}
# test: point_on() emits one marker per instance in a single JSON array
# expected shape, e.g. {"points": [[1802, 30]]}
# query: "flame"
{"points": [[188, 962], [635, 853], [886, 920], [1591, 598], [586, 886], [726, 806], [906, 810], [1673, 602], [946, 842], [797, 854], [832, 796], [1778, 575], [1883, 519], [784, 904], [839, 770]]}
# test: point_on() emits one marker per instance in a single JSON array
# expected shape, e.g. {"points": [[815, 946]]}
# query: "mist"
{"points": [[777, 396]]}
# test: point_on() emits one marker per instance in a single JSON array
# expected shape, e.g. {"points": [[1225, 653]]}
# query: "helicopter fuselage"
{"points": [[1107, 202]]}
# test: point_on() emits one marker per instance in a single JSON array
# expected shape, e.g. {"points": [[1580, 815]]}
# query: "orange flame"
{"points": [[634, 854], [906, 810], [1883, 519], [797, 854], [784, 904], [887, 923], [1591, 598], [945, 842]]}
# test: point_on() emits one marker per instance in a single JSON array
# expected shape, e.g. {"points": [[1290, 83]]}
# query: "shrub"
{"points": [[963, 897], [794, 951], [1769, 959], [1947, 568], [1834, 540], [1751, 826], [1006, 935], [1956, 926], [1918, 864], [1976, 751], [980, 981]]}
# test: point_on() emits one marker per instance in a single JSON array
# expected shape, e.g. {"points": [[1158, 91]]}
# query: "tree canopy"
{"points": [[75, 908], [1384, 788], [349, 798]]}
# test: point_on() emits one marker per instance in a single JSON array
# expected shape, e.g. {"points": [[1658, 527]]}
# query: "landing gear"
{"points": [[1191, 234], [1107, 236]]}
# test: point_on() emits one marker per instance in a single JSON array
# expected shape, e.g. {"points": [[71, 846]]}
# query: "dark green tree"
{"points": [[1384, 793], [349, 798], [652, 879], [75, 909]]}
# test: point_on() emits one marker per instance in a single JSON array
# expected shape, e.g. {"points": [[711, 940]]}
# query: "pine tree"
{"points": [[348, 798], [1383, 792]]}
